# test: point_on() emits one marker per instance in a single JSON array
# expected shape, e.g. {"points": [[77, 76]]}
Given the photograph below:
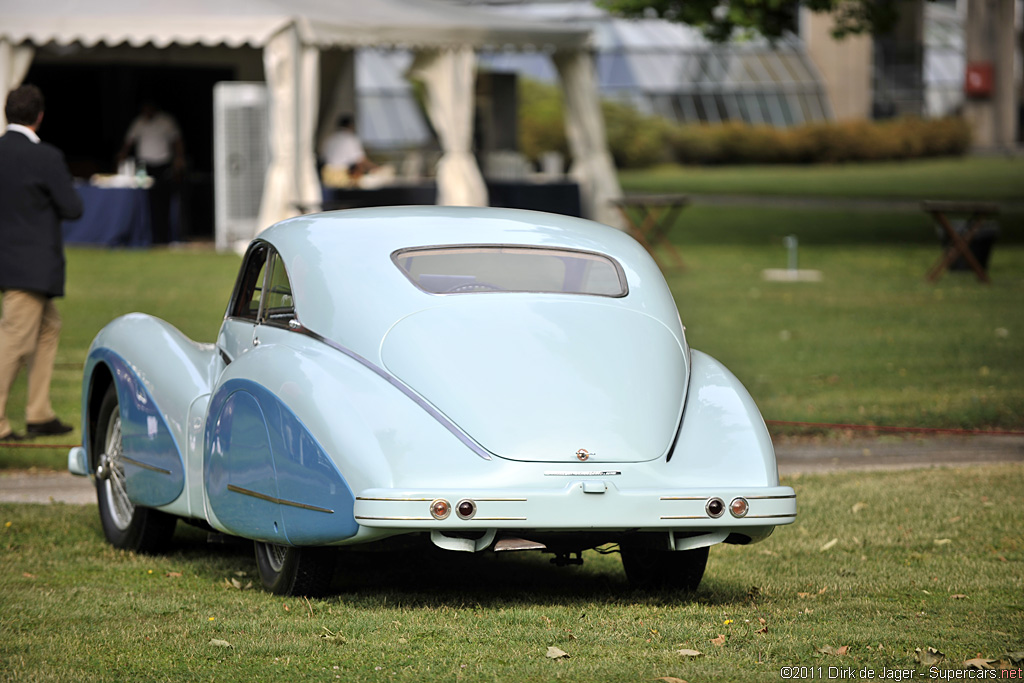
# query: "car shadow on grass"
{"points": [[428, 577]]}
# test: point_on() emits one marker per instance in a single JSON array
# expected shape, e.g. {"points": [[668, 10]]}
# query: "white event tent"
{"points": [[294, 34]]}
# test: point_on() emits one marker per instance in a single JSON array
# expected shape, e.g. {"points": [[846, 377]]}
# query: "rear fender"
{"points": [[303, 430], [157, 373], [723, 439]]}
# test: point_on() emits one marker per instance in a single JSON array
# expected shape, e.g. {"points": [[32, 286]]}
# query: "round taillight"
{"points": [[715, 507], [465, 509], [738, 507], [440, 508]]}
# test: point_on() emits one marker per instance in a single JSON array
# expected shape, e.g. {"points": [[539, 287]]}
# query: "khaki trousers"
{"points": [[29, 332]]}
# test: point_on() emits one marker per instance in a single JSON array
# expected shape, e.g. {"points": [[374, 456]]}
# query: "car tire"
{"points": [[126, 525], [649, 569], [286, 570]]}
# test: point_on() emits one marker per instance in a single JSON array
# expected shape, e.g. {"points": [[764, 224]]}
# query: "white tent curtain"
{"points": [[592, 166], [337, 90], [450, 79], [292, 74], [14, 63]]}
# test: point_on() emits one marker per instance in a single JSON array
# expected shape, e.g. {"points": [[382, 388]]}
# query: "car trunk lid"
{"points": [[546, 381]]}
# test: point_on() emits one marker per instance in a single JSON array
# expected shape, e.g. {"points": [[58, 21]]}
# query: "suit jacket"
{"points": [[36, 194]]}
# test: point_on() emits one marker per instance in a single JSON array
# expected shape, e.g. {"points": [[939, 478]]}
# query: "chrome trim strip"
{"points": [[431, 519], [582, 473], [401, 386], [684, 517], [747, 497], [428, 500], [500, 500], [144, 466], [768, 516], [281, 501]]}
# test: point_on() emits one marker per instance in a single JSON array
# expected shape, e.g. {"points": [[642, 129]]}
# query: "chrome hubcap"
{"points": [[110, 473]]}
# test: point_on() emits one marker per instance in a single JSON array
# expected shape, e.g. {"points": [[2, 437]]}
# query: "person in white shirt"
{"points": [[159, 148], [343, 150]]}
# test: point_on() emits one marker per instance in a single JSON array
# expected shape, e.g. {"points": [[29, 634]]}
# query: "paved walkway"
{"points": [[793, 455], [896, 453]]}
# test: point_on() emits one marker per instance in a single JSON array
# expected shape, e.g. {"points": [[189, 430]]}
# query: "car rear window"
{"points": [[497, 268]]}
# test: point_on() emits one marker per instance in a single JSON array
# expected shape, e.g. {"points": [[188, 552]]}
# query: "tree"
{"points": [[720, 19]]}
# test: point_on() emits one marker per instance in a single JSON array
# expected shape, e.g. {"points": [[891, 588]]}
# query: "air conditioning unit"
{"points": [[241, 155]]}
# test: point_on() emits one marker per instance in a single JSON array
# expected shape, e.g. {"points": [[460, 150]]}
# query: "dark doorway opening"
{"points": [[90, 106]]}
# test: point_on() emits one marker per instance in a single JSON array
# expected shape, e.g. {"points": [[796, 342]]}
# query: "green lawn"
{"points": [[186, 287], [863, 579], [877, 566], [873, 343]]}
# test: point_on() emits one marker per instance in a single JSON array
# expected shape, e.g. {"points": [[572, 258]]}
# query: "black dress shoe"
{"points": [[51, 428], [12, 437]]}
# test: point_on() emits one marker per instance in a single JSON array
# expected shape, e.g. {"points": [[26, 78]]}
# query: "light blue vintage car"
{"points": [[479, 379]]}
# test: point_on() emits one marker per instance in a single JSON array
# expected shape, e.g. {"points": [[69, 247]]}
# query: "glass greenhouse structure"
{"points": [[944, 61], [672, 70], [657, 66]]}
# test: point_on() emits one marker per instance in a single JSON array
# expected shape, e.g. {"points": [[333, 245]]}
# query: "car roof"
{"points": [[347, 288]]}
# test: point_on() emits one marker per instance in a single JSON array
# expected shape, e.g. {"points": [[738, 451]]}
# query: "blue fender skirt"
{"points": [[267, 478], [153, 466]]}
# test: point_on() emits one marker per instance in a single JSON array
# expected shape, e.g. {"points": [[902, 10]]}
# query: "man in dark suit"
{"points": [[36, 194]]}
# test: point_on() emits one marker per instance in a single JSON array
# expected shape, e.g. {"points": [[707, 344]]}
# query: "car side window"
{"points": [[277, 301], [249, 292], [264, 292]]}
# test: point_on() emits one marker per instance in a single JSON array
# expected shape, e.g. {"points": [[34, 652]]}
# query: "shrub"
{"points": [[637, 140], [541, 119], [832, 142], [695, 144]]}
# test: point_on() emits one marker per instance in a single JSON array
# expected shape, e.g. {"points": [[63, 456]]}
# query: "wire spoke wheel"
{"points": [[276, 556], [119, 505], [287, 570], [125, 524]]}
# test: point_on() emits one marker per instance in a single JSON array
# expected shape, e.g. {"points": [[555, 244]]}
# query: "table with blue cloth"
{"points": [[112, 217]]}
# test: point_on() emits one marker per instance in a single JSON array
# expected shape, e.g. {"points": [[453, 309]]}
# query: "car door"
{"points": [[245, 456]]}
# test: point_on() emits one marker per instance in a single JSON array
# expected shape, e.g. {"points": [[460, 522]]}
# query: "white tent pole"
{"points": [[307, 191], [291, 74], [14, 63], [273, 206], [592, 166], [295, 172], [450, 79]]}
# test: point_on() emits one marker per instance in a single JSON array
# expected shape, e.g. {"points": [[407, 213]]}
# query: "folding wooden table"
{"points": [[649, 219], [959, 242]]}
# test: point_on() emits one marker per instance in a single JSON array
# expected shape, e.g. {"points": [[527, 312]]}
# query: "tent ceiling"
{"points": [[324, 23]]}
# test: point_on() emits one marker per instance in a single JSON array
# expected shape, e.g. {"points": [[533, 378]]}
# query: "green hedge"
{"points": [[638, 141]]}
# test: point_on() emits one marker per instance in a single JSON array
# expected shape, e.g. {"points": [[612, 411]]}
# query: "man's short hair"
{"points": [[24, 105]]}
